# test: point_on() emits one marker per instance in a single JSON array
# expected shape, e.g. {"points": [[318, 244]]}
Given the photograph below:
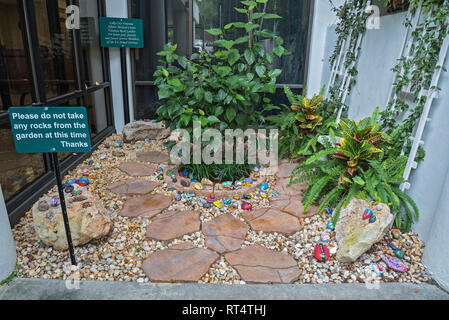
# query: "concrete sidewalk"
{"points": [[38, 289]]}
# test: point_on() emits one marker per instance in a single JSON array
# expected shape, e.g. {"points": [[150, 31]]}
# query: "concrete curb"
{"points": [[39, 289]]}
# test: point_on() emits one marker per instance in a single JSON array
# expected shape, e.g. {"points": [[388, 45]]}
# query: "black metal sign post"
{"points": [[65, 216]]}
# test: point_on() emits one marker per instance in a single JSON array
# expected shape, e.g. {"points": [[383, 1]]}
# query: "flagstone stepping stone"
{"points": [[133, 187], [257, 264], [293, 190], [173, 224], [183, 262], [225, 233], [272, 220], [153, 157], [136, 169], [294, 207], [146, 206], [285, 169]]}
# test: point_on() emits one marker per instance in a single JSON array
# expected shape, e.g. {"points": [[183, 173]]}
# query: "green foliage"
{"points": [[332, 184], [219, 172], [301, 124], [223, 89], [414, 75]]}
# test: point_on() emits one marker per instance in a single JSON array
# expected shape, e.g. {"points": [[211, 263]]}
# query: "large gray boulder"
{"points": [[87, 218], [354, 235], [140, 130]]}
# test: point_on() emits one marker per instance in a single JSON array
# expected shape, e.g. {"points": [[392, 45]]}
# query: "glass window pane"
{"points": [[55, 47], [18, 170], [90, 42], [96, 111], [15, 77], [147, 102]]}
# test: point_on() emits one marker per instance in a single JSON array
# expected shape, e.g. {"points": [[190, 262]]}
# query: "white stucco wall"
{"points": [[7, 245], [119, 9], [430, 182]]}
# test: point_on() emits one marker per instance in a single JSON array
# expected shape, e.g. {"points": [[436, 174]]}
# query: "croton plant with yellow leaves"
{"points": [[301, 123]]}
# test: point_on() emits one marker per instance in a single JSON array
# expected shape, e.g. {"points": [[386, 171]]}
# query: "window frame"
{"points": [[21, 202]]}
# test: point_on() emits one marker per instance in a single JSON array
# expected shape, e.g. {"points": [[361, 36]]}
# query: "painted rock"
{"points": [[68, 189], [207, 205], [227, 201], [372, 219], [246, 206], [87, 205], [83, 182], [408, 244], [400, 254], [198, 186], [70, 182], [227, 184], [210, 200], [178, 197], [329, 211], [330, 225], [248, 180], [325, 237], [264, 186], [91, 162], [190, 195], [321, 252], [377, 268], [147, 140], [185, 183], [104, 156], [393, 246], [160, 177], [395, 264], [238, 183], [263, 195], [212, 195], [396, 233], [79, 198], [107, 146], [366, 215], [185, 174], [54, 202], [246, 197], [236, 197], [43, 206], [218, 204]]}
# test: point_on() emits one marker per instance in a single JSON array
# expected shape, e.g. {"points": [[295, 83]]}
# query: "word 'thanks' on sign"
{"points": [[50, 129]]}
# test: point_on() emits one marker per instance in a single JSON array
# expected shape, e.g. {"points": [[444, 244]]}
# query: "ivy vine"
{"points": [[414, 74]]}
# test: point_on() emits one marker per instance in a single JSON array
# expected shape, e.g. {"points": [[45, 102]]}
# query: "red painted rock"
{"points": [[247, 206], [321, 252]]}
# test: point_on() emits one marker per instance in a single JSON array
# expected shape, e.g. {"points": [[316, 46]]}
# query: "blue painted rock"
{"points": [[395, 264], [54, 202], [91, 162], [227, 201], [190, 195], [330, 225], [227, 184], [400, 254], [147, 140], [246, 197], [248, 180], [393, 246], [207, 205], [329, 211], [70, 182], [178, 197], [68, 189], [325, 237], [372, 219], [264, 186], [377, 268], [321, 252]]}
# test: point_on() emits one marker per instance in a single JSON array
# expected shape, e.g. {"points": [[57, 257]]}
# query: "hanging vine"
{"points": [[352, 24], [414, 74]]}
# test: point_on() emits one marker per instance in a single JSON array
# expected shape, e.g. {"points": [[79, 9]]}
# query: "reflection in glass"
{"points": [[96, 111], [90, 42], [55, 47], [15, 78], [147, 102]]}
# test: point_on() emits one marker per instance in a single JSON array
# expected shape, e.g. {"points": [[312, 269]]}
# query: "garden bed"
{"points": [[287, 252]]}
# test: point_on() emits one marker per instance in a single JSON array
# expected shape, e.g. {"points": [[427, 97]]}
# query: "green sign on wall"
{"points": [[121, 32], [50, 129]]}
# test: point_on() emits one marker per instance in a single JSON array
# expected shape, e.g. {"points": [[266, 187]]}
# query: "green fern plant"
{"points": [[332, 183]]}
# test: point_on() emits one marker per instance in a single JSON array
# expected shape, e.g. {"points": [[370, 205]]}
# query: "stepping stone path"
{"points": [[225, 233], [133, 187], [136, 169], [285, 169], [153, 157], [172, 224], [295, 190], [257, 264], [183, 262], [272, 220], [146, 206], [294, 207]]}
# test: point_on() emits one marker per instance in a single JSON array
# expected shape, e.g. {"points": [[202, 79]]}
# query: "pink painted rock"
{"points": [[136, 169], [133, 187], [225, 233], [153, 157], [183, 262], [172, 224], [247, 206], [257, 264], [146, 206], [271, 220]]}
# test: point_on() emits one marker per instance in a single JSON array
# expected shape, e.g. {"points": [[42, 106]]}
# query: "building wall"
{"points": [[430, 182], [119, 9]]}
